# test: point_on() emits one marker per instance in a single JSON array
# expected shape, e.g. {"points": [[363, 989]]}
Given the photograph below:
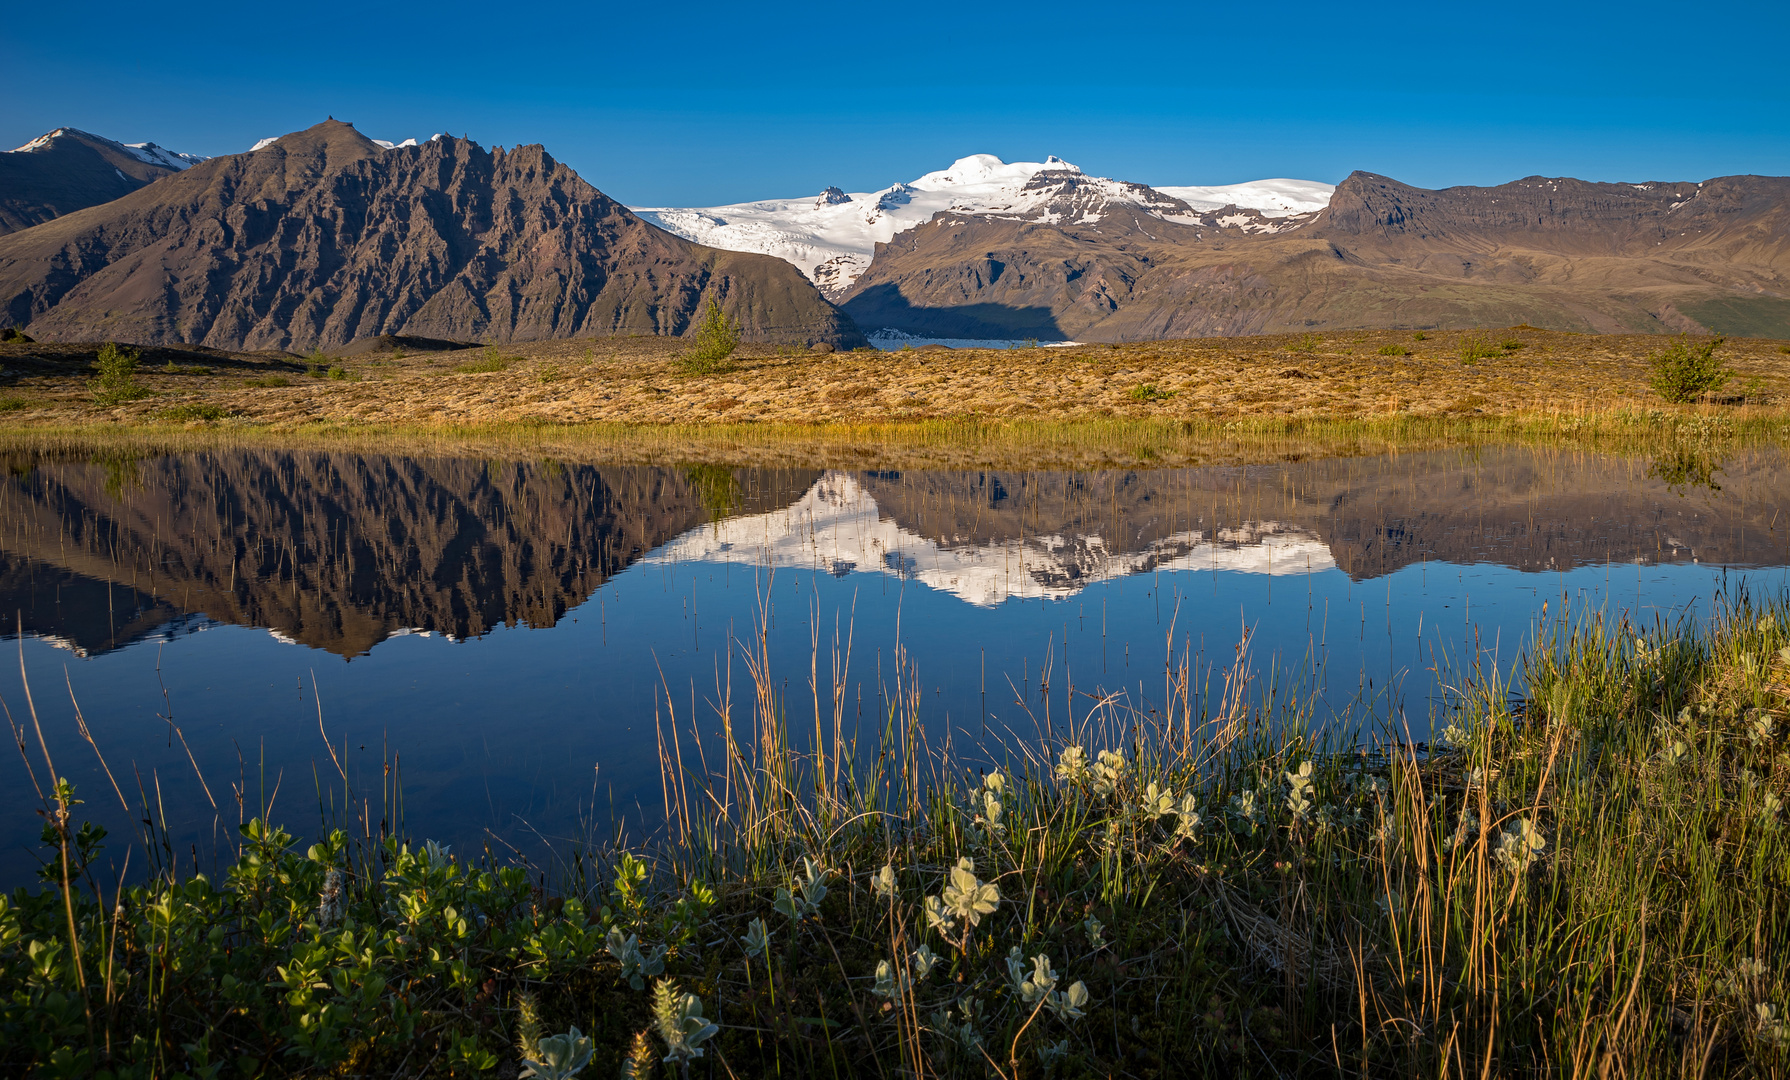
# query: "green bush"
{"points": [[1687, 371], [1419, 336], [1475, 347], [1149, 392], [715, 339], [1307, 344], [11, 404], [116, 378], [200, 411], [342, 374], [488, 364], [1394, 350]]}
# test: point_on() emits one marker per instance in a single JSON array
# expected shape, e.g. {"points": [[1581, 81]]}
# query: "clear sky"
{"points": [[700, 103]]}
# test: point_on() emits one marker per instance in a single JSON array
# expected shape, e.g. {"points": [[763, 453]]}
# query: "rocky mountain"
{"points": [[324, 236], [834, 236], [68, 170], [1557, 253]]}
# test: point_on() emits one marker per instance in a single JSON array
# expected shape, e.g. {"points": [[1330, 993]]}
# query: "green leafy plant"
{"points": [[116, 378], [490, 363], [1394, 350], [1688, 370], [338, 373], [1149, 392], [195, 411], [1476, 347], [713, 343], [1419, 336], [11, 403], [1307, 344]]}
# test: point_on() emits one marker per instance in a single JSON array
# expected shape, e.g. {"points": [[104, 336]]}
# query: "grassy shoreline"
{"points": [[1594, 879], [945, 443]]}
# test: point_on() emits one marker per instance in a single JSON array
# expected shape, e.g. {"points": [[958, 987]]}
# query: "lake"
{"points": [[517, 638]]}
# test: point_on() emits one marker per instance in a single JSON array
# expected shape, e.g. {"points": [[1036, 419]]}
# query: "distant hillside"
{"points": [[323, 237], [68, 170], [1562, 254]]}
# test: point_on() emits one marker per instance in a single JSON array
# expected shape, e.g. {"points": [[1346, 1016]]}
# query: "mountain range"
{"points": [[324, 237]]}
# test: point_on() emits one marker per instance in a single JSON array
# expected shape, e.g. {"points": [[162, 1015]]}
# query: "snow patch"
{"points": [[838, 528], [833, 238], [152, 154]]}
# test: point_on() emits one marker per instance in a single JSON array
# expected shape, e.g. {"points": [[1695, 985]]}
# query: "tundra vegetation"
{"points": [[1585, 873]]}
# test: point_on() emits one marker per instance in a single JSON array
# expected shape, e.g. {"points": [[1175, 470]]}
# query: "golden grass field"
{"points": [[1170, 402]]}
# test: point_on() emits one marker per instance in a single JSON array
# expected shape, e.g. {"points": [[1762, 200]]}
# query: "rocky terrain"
{"points": [[68, 170], [1560, 254], [324, 237]]}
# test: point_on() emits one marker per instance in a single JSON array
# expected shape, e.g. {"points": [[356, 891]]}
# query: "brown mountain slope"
{"points": [[1562, 254], [323, 237], [65, 171]]}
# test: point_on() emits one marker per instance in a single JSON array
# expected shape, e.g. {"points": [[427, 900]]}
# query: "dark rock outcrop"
{"points": [[323, 237]]}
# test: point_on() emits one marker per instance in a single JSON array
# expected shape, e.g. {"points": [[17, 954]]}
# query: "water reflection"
{"points": [[514, 627]]}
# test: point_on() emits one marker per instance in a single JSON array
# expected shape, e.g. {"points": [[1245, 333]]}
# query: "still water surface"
{"points": [[511, 631]]}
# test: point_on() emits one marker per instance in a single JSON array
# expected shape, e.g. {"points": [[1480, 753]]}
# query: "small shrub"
{"points": [[1394, 350], [488, 364], [11, 404], [341, 374], [716, 338], [12, 335], [171, 368], [1512, 344], [1474, 348], [550, 374], [1307, 344], [116, 381], [271, 380], [1685, 371], [201, 411], [1149, 392], [1784, 349], [1419, 336]]}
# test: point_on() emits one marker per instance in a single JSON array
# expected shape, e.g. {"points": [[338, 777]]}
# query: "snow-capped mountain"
{"points": [[146, 152], [833, 236], [381, 143]]}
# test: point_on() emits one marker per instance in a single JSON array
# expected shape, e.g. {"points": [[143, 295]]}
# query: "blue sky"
{"points": [[701, 103]]}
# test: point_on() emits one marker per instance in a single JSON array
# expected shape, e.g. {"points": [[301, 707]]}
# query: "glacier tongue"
{"points": [[833, 237]]}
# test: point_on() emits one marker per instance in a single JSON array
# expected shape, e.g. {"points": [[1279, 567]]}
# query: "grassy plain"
{"points": [[1204, 401]]}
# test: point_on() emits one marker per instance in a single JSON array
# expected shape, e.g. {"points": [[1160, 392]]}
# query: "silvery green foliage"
{"points": [[966, 898], [1247, 809], [1039, 987], [679, 1020], [1764, 727], [1096, 932], [890, 983], [635, 964], [1454, 735], [1072, 765], [438, 855], [809, 889], [937, 918], [1771, 1027], [1299, 792], [1051, 1053], [995, 782], [882, 883], [964, 1033], [758, 938], [924, 961], [1157, 802], [329, 901], [1187, 819], [1769, 806], [1520, 846], [559, 1057], [1109, 771]]}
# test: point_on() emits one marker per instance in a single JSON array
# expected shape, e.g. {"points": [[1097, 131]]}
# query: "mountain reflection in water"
{"points": [[982, 576]]}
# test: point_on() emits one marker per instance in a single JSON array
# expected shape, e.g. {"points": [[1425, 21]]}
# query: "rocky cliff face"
{"points": [[324, 237], [68, 170], [1557, 253]]}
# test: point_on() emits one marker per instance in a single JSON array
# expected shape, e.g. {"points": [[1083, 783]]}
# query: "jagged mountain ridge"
{"points": [[324, 237], [68, 169], [1561, 254]]}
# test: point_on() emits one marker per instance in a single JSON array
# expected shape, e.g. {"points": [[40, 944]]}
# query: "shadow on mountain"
{"points": [[883, 306]]}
